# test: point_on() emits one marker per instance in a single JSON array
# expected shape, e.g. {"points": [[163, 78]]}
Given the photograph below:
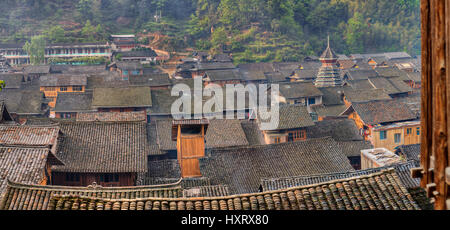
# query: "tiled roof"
{"points": [[20, 164], [392, 72], [360, 74], [63, 80], [376, 112], [12, 81], [90, 147], [290, 117], [299, 90], [252, 132], [122, 97], [138, 53], [160, 79], [220, 133], [338, 129], [129, 65], [402, 170], [207, 191], [378, 191], [353, 148], [73, 102], [24, 102], [12, 135], [38, 197], [277, 76], [112, 116], [223, 75], [215, 65], [329, 110], [346, 63], [333, 95], [412, 152], [242, 168], [391, 85], [365, 95], [79, 69], [36, 69]]}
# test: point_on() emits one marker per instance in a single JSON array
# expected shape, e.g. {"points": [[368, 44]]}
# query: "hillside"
{"points": [[253, 30]]}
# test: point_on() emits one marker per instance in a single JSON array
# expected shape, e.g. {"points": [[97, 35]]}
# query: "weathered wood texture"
{"points": [[435, 15]]}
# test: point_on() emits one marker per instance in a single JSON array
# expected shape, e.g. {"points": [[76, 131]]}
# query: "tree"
{"points": [[88, 31], [219, 38], [36, 50], [55, 34], [84, 8]]}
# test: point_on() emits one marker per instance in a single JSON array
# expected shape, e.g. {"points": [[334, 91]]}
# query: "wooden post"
{"points": [[435, 16]]}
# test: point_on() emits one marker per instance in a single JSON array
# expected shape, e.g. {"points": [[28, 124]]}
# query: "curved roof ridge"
{"points": [[382, 172]]}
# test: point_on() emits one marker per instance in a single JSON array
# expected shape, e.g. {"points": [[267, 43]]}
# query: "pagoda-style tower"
{"points": [[329, 73]]}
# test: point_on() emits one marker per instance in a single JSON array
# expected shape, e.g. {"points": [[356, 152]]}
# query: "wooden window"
{"points": [[276, 140], [63, 89], [408, 131], [383, 135], [77, 88], [418, 131], [397, 138]]}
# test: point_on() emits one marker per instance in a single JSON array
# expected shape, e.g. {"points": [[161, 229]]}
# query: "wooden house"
{"points": [[27, 154], [304, 93], [107, 153], [53, 84], [69, 105], [377, 62], [127, 68], [393, 135], [190, 137], [371, 114], [293, 121], [124, 42]]}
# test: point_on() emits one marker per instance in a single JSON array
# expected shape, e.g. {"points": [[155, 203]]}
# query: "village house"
{"points": [[123, 42], [354, 96], [242, 168], [53, 84], [70, 104], [375, 114], [127, 68], [27, 153], [293, 121], [122, 99], [107, 153], [144, 56], [346, 134], [222, 77], [15, 54], [36, 71], [396, 134], [5, 67], [303, 93], [332, 104], [24, 103]]}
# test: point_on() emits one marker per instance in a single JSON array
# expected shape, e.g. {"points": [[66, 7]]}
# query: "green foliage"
{"points": [[289, 29], [55, 34], [36, 50], [80, 61]]}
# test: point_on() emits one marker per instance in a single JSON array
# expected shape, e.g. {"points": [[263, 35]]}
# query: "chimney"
{"points": [[190, 137]]}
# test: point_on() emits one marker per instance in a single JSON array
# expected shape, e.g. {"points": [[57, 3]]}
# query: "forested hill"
{"points": [[253, 30]]}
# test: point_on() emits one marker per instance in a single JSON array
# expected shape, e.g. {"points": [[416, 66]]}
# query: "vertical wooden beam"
{"points": [[426, 91], [446, 160], [440, 100]]}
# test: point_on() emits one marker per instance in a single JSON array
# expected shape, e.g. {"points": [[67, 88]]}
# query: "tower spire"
{"points": [[328, 41]]}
